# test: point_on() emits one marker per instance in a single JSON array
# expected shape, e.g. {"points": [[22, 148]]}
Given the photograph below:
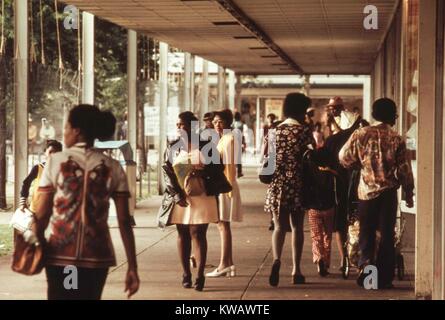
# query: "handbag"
{"points": [[27, 259], [194, 184], [265, 176], [165, 211], [221, 183]]}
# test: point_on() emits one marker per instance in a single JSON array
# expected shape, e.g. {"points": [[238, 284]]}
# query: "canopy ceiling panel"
{"points": [[294, 36]]}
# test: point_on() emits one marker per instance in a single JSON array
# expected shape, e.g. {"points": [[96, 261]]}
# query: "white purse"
{"points": [[22, 221]]}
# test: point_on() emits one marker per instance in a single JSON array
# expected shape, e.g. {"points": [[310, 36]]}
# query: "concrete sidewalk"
{"points": [[161, 274]]}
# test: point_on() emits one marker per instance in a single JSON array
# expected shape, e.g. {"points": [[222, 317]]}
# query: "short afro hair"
{"points": [[56, 145], [384, 110], [295, 105], [189, 119], [227, 116]]}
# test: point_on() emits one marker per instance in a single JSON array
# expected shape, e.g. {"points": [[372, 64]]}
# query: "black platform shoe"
{"points": [[274, 278], [361, 277], [298, 279], [322, 271], [187, 281], [199, 283]]}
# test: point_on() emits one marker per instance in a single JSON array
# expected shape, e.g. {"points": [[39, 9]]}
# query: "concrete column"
{"points": [[441, 18], [88, 58], [187, 81], [132, 58], [231, 90], [367, 99], [258, 127], [21, 96], [426, 180], [132, 65], [225, 89], [192, 83], [238, 90], [439, 159], [221, 88], [377, 79], [205, 89], [163, 81]]}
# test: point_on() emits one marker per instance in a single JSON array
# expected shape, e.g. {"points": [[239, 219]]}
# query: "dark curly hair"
{"points": [[295, 106], [92, 122], [227, 116], [56, 145], [385, 110]]}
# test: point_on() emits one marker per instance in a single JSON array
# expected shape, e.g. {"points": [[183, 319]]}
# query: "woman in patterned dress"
{"points": [[283, 198]]}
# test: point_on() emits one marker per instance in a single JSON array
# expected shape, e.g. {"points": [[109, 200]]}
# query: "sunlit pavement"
{"points": [[161, 274]]}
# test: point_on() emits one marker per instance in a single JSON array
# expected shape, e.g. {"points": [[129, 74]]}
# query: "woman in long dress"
{"points": [[229, 204]]}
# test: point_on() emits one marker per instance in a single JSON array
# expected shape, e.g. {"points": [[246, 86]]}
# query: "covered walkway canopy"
{"points": [[402, 52], [260, 36]]}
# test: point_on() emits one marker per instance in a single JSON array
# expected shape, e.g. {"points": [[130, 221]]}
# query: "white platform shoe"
{"points": [[228, 272]]}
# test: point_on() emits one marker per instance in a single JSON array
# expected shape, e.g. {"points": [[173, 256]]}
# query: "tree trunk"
{"points": [[3, 100]]}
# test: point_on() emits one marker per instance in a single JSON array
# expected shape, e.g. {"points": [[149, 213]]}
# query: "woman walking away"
{"points": [[229, 147], [284, 195], [190, 198], [74, 194], [320, 199]]}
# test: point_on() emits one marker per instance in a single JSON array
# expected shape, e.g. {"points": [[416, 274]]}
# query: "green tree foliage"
{"points": [[111, 68], [54, 90]]}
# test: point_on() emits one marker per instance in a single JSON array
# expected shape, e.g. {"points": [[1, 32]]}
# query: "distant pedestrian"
{"points": [[333, 145], [208, 120], [310, 114], [47, 131], [320, 201], [31, 182], [318, 135], [239, 125], [271, 125]]}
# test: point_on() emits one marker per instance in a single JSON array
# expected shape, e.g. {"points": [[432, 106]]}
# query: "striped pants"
{"points": [[322, 225]]}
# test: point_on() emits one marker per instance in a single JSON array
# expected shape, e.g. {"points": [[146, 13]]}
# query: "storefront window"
{"points": [[175, 89], [410, 78], [198, 85]]}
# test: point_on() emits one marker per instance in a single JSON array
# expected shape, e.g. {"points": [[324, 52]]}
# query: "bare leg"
{"points": [[278, 237], [184, 247], [199, 237], [226, 245], [297, 225], [341, 240]]}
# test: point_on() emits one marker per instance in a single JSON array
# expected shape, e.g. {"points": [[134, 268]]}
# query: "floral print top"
{"points": [[381, 154], [285, 190], [82, 181]]}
